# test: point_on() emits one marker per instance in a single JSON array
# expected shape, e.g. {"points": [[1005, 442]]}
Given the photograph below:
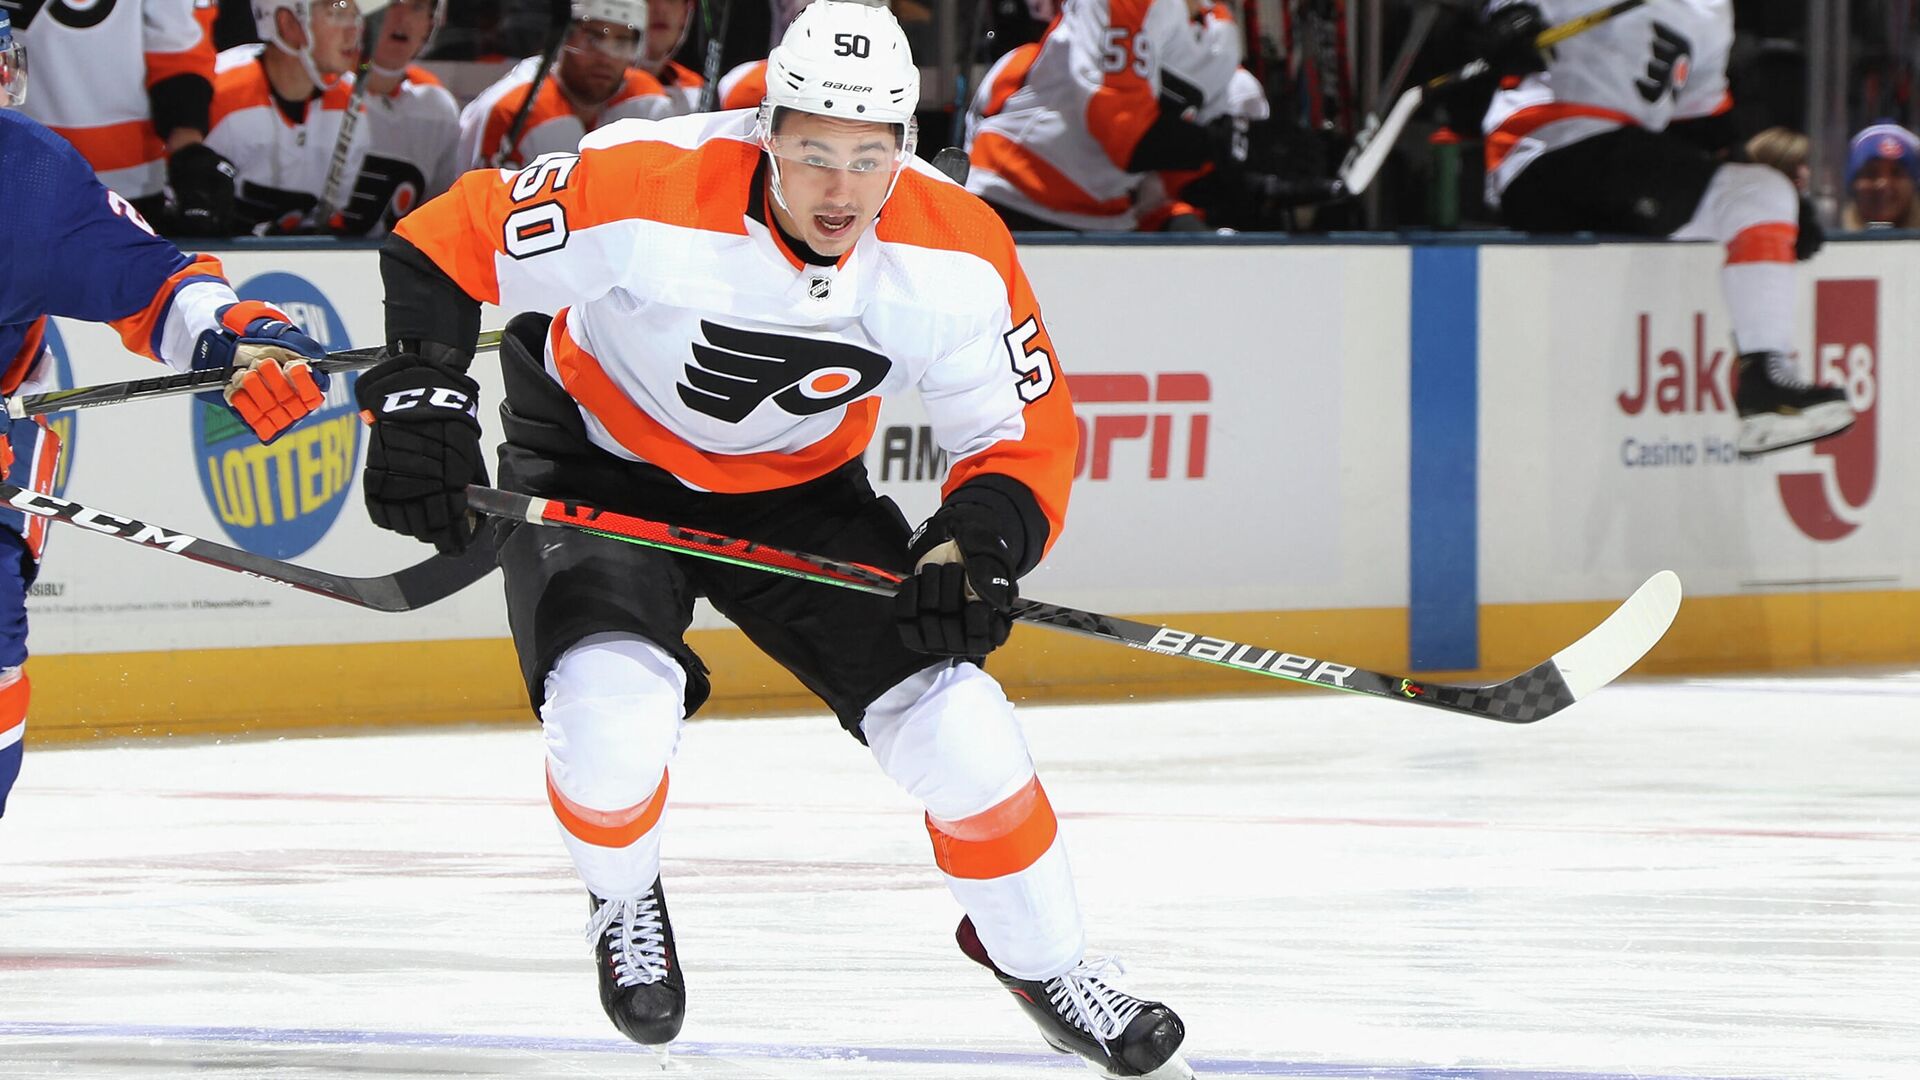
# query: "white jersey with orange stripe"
{"points": [[551, 123], [683, 86], [695, 340], [412, 155], [92, 65], [744, 86], [281, 164], [1646, 68], [1056, 127]]}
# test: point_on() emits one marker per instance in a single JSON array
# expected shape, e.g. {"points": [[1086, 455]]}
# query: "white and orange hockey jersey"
{"points": [[413, 152], [744, 86], [1647, 68], [92, 66], [551, 124], [682, 86], [694, 339], [281, 162], [1057, 125]]}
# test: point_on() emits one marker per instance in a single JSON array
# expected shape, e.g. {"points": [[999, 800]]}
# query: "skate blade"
{"points": [[1763, 433], [1174, 1068]]}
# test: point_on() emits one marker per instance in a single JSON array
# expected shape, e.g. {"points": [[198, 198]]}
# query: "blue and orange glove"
{"points": [[273, 386]]}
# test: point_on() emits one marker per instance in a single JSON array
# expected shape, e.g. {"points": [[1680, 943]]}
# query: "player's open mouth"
{"points": [[833, 225]]}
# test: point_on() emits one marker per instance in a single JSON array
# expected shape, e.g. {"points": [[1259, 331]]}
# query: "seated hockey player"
{"points": [[668, 23], [75, 249], [1066, 133], [594, 81], [1611, 130], [412, 122], [728, 304], [278, 107]]}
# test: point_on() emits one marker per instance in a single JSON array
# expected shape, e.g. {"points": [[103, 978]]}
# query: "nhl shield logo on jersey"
{"points": [[279, 499], [735, 370]]}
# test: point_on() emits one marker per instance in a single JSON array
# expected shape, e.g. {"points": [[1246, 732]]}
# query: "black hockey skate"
{"points": [[1080, 1013], [641, 986], [1779, 409]]}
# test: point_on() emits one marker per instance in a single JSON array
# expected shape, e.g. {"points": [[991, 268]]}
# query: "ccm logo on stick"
{"points": [[139, 532], [1234, 654], [1179, 394]]}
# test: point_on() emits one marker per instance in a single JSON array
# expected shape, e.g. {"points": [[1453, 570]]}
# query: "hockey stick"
{"points": [[967, 54], [414, 587], [1571, 675], [559, 19], [331, 190], [1370, 153], [186, 382], [954, 163], [716, 40]]}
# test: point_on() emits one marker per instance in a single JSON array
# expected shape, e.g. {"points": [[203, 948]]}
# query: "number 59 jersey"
{"points": [[1654, 65], [692, 338]]}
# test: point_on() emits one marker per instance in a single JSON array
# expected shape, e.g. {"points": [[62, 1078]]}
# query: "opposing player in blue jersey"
{"points": [[70, 247]]}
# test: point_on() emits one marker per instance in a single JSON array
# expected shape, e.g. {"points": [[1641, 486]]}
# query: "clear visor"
{"points": [[883, 153], [609, 39], [13, 74]]}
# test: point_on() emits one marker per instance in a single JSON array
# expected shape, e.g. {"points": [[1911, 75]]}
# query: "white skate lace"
{"points": [[1083, 997], [1784, 372], [635, 937]]}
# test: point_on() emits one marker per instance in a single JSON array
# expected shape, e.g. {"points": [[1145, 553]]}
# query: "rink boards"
{"points": [[1442, 458]]}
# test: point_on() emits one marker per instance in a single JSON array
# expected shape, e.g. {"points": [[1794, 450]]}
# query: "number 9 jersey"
{"points": [[692, 337]]}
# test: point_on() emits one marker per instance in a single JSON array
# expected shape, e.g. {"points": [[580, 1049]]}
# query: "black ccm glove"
{"points": [[200, 189], [959, 600], [424, 449]]}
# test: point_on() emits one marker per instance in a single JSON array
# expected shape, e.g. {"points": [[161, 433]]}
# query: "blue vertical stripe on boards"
{"points": [[1443, 530]]}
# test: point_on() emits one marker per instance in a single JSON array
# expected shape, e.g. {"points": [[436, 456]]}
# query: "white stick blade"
{"points": [[1365, 167], [1617, 644]]}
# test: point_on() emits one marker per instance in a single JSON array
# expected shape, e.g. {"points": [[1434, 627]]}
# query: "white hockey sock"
{"points": [[1753, 210], [949, 736], [612, 718]]}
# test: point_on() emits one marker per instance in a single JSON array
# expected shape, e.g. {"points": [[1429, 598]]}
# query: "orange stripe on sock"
{"points": [[13, 703], [1003, 839], [608, 828], [1771, 242]]}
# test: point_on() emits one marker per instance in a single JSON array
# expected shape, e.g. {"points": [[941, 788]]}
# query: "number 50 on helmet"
{"points": [[845, 60]]}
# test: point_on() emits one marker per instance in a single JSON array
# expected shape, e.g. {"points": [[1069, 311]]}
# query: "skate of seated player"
{"points": [[75, 249], [1615, 130], [593, 82], [712, 307]]}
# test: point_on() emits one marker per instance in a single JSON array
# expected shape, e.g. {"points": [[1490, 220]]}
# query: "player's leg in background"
{"points": [[1753, 211], [36, 459]]}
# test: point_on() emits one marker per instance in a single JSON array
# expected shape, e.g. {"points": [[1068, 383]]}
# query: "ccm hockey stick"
{"points": [[187, 382], [1572, 674], [414, 587], [1370, 150]]}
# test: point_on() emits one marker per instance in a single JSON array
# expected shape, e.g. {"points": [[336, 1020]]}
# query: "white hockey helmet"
{"points": [[266, 22], [845, 59], [624, 12], [13, 66]]}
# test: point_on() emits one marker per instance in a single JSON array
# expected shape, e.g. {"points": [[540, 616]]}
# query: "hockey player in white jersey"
{"points": [[728, 305], [596, 81], [412, 122], [1065, 135], [1614, 130], [278, 109], [128, 83], [668, 23]]}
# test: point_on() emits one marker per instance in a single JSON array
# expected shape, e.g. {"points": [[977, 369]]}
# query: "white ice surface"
{"points": [[1675, 879]]}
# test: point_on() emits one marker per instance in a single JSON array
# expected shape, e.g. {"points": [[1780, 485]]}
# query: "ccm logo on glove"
{"points": [[440, 397]]}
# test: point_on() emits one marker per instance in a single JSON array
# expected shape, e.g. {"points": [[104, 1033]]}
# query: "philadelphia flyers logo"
{"points": [[79, 14], [735, 370]]}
